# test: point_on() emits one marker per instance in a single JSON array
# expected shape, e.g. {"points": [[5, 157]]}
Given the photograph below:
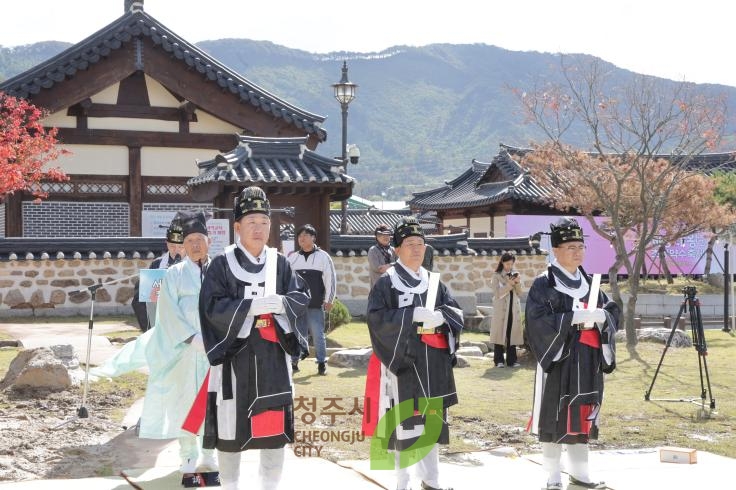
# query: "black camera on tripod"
{"points": [[690, 291]]}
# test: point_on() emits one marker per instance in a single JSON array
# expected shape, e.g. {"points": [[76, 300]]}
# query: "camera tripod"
{"points": [[692, 304]]}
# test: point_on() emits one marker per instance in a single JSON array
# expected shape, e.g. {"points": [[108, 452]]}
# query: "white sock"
{"points": [[551, 461]]}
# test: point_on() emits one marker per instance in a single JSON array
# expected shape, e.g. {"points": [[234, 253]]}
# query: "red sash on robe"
{"points": [[267, 423], [590, 337], [195, 418], [372, 393], [436, 340], [585, 421], [268, 330]]}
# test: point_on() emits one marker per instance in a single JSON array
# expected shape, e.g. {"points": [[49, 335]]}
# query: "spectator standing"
{"points": [[506, 331], [382, 254], [315, 267], [574, 344]]}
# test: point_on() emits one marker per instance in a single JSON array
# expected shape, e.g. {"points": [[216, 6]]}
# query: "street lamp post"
{"points": [[344, 93]]}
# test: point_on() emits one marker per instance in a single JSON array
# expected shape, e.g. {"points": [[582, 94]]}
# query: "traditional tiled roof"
{"points": [[483, 184], [453, 244], [135, 25], [20, 249], [712, 162], [364, 221], [80, 248], [271, 160]]}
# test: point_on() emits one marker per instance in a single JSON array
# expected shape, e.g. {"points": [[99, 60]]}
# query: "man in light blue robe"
{"points": [[175, 352]]}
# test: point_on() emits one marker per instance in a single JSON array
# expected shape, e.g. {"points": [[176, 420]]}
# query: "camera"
{"points": [[512, 274], [689, 291]]}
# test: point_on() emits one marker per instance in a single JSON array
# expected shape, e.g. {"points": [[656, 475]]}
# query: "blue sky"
{"points": [[676, 39]]}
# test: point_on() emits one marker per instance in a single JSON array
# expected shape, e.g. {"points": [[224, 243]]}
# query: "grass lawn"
{"points": [[495, 403]]}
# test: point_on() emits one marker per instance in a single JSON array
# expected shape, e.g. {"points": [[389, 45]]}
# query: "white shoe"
{"points": [[188, 466], [500, 365], [208, 461], [516, 364]]}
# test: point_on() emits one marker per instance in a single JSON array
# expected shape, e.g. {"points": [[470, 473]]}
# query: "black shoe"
{"points": [[201, 479], [427, 487], [294, 367], [321, 368], [582, 484]]}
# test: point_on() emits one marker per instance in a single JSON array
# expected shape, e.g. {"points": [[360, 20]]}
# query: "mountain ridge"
{"points": [[421, 114]]}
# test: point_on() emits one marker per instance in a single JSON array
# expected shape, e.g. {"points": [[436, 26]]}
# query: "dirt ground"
{"points": [[35, 441]]}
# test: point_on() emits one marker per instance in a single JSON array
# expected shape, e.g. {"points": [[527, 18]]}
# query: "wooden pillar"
{"points": [[323, 223], [224, 200], [14, 215], [135, 190], [493, 225], [274, 239]]}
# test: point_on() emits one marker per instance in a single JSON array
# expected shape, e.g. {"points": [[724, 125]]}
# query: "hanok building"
{"points": [[479, 200], [137, 107]]}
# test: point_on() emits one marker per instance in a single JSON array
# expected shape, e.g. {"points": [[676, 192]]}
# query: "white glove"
{"points": [[273, 303], [437, 319], [422, 315], [588, 317], [197, 342]]}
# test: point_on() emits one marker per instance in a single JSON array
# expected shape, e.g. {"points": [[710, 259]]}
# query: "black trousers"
{"points": [[499, 349]]}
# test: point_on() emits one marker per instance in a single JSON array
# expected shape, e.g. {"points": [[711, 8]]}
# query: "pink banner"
{"points": [[687, 256]]}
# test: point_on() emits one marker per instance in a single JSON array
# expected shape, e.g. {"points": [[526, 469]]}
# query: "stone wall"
{"points": [[52, 287], [59, 287], [467, 276]]}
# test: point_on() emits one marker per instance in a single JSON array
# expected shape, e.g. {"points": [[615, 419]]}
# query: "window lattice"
{"points": [[100, 188], [167, 189], [60, 187]]}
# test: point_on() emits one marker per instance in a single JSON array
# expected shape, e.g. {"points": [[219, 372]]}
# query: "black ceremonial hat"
{"points": [[192, 222], [565, 230], [175, 233], [406, 227], [251, 200]]}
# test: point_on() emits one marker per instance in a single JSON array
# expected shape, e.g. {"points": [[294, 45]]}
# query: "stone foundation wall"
{"points": [[467, 276], [52, 287]]}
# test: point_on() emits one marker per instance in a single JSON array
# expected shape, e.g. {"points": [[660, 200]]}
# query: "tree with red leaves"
{"points": [[25, 149], [637, 171]]}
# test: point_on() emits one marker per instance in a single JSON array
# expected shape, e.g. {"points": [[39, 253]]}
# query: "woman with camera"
{"points": [[506, 331]]}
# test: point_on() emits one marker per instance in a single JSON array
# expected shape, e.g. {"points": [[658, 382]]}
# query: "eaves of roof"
{"points": [[138, 24], [271, 160], [468, 190]]}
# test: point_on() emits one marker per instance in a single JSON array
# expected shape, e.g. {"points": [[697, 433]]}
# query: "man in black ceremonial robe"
{"points": [[572, 337], [249, 302], [415, 326]]}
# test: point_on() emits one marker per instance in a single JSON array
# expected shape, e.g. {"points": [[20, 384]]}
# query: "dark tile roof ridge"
{"points": [[140, 23], [279, 154]]}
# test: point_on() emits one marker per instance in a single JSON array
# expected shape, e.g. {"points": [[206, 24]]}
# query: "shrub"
{"points": [[339, 314]]}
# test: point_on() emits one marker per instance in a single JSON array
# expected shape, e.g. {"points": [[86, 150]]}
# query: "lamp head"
{"points": [[344, 90]]}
